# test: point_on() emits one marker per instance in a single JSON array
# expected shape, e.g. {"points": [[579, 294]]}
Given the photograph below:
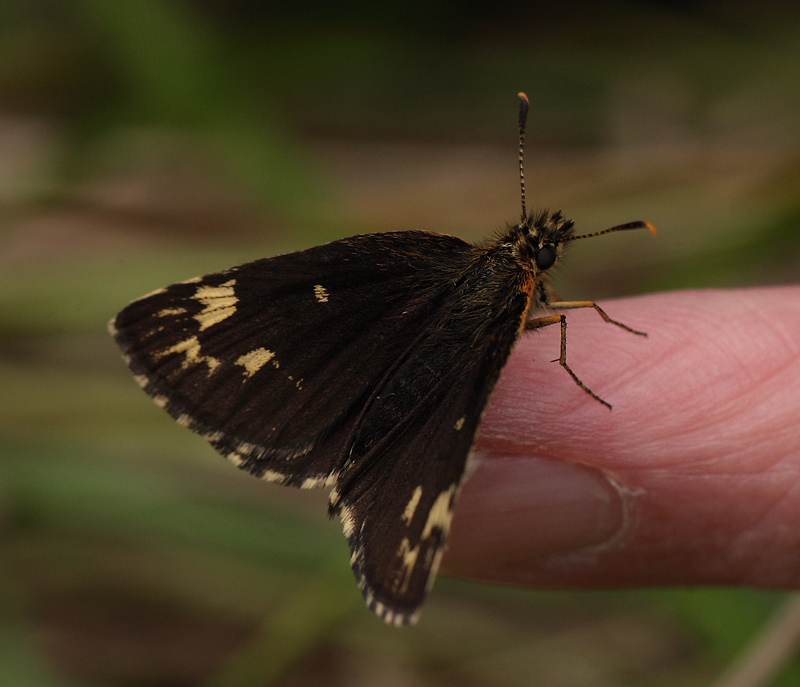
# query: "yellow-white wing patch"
{"points": [[219, 301], [320, 293], [253, 361], [193, 356], [411, 506]]}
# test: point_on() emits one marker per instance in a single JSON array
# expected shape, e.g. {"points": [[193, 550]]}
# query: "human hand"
{"points": [[692, 479]]}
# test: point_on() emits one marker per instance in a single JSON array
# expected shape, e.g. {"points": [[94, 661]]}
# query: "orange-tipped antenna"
{"points": [[523, 117], [620, 227]]}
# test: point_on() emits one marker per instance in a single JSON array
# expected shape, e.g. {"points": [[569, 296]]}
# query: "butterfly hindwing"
{"points": [[408, 456], [270, 360]]}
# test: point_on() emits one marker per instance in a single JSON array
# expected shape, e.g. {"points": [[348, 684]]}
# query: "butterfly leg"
{"points": [[574, 305], [546, 321]]}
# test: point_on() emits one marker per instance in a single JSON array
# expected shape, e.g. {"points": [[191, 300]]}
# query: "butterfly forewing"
{"points": [[270, 360]]}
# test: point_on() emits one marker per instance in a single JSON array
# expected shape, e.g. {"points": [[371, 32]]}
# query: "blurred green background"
{"points": [[143, 143]]}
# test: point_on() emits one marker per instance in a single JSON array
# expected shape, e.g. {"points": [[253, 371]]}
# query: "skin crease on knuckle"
{"points": [[700, 455]]}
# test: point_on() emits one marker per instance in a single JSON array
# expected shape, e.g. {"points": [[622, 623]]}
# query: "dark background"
{"points": [[146, 142]]}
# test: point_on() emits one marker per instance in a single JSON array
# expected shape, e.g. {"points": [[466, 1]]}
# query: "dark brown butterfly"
{"points": [[364, 365]]}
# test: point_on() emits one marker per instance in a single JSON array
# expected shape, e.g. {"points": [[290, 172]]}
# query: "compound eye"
{"points": [[545, 257]]}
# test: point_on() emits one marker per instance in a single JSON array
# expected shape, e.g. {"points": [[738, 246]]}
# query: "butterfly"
{"points": [[363, 365]]}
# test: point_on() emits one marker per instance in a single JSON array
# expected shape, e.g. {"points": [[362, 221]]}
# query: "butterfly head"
{"points": [[539, 241]]}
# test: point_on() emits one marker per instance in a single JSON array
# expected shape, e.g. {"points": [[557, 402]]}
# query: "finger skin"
{"points": [[693, 477]]}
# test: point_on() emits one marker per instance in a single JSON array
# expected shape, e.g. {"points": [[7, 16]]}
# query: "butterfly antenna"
{"points": [[524, 104], [620, 227]]}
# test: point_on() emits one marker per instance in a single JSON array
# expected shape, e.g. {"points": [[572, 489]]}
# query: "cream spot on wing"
{"points": [[460, 423], [348, 521], [193, 280], [273, 476], [411, 506], [253, 361], [440, 513], [235, 458], [166, 312], [245, 449], [321, 293], [160, 401], [439, 517], [191, 349], [219, 301], [317, 482], [408, 560], [355, 557], [433, 559]]}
